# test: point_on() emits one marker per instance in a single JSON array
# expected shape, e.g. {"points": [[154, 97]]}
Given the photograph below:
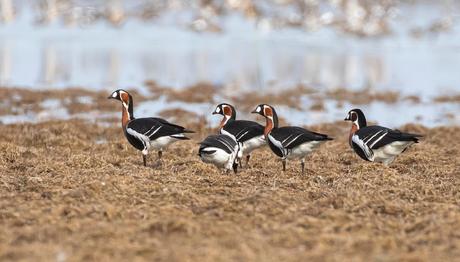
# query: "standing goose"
{"points": [[249, 133], [220, 150], [288, 142], [147, 133], [377, 143]]}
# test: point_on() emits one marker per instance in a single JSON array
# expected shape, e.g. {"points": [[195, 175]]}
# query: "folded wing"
{"points": [[154, 128]]}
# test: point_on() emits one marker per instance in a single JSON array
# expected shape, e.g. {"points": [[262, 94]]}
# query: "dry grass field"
{"points": [[76, 190]]}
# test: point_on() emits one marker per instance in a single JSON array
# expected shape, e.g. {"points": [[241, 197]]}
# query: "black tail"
{"points": [[181, 137], [408, 136], [187, 131], [321, 137], [413, 137]]}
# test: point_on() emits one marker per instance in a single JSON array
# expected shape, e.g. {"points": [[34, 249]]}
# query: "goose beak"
{"points": [[254, 112]]}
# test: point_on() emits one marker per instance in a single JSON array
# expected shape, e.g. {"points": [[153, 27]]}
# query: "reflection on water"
{"points": [[243, 56], [107, 62]]}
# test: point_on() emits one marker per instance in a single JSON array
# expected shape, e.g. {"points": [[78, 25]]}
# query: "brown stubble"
{"points": [[85, 195]]}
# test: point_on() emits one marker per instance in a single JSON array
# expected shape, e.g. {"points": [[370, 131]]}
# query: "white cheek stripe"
{"points": [[357, 124]]}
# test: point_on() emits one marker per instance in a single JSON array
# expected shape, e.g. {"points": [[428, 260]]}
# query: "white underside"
{"points": [[220, 158], [388, 153], [253, 144], [163, 142], [303, 150], [158, 144]]}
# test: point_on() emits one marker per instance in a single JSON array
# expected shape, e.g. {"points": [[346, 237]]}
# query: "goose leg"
{"points": [[284, 164], [144, 158], [247, 160], [302, 164], [160, 153], [235, 168]]}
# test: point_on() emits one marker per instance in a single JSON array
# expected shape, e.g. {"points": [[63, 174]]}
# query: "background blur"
{"points": [[411, 48]]}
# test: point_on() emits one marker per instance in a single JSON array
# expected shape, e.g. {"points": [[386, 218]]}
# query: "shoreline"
{"points": [[299, 105]]}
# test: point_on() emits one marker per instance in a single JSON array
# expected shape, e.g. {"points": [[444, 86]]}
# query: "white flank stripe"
{"points": [[141, 137], [149, 130], [224, 132], [277, 144], [156, 130], [372, 137], [363, 146], [243, 134], [290, 142], [380, 138], [286, 139]]}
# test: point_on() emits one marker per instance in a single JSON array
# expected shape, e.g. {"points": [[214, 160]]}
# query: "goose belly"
{"points": [[252, 144], [302, 150], [163, 142], [216, 156], [387, 153]]}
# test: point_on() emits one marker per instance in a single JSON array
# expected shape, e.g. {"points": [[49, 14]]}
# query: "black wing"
{"points": [[165, 122], [359, 151], [275, 149], [223, 142], [292, 136], [243, 130], [377, 136], [155, 127]]}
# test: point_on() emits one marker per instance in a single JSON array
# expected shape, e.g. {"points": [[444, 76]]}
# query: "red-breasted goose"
{"points": [[377, 143], [147, 133]]}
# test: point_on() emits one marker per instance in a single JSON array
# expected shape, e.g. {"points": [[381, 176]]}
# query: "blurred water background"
{"points": [[412, 47]]}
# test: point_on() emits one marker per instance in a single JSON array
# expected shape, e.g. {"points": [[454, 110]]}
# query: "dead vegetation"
{"points": [[198, 93], [287, 97], [362, 97], [75, 190], [455, 98], [17, 101]]}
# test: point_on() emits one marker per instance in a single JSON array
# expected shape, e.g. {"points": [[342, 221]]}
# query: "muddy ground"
{"points": [[77, 100], [76, 190]]}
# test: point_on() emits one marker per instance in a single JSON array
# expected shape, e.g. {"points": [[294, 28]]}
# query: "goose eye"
{"points": [[114, 94], [258, 109]]}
